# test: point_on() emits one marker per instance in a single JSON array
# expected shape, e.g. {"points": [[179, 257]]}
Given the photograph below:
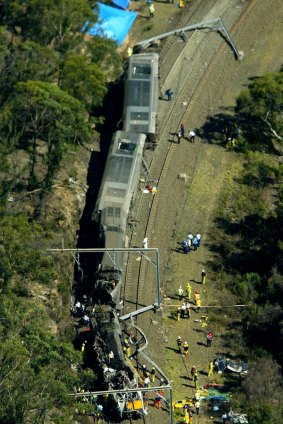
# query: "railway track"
{"points": [[137, 290], [139, 278], [169, 45], [198, 46]]}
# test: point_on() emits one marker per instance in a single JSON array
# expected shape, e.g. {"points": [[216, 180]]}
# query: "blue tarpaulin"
{"points": [[113, 23], [122, 3]]}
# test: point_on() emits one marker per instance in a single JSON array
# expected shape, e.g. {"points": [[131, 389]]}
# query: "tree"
{"points": [[21, 259], [263, 392], [247, 286], [259, 107], [35, 374], [103, 52], [83, 80], [56, 23], [24, 60], [41, 111]]}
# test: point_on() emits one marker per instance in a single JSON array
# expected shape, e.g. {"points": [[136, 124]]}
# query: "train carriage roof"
{"points": [[120, 175], [141, 93]]}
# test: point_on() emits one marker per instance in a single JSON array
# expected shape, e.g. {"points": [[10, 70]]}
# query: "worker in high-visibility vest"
{"points": [[186, 348], [129, 51], [180, 293], [178, 313], [152, 374], [198, 304], [196, 296], [128, 350], [210, 369], [189, 291], [179, 343], [151, 10], [203, 275], [186, 419], [195, 379]]}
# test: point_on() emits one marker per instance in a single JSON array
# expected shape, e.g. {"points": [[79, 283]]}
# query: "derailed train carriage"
{"points": [[111, 212], [141, 95], [119, 182]]}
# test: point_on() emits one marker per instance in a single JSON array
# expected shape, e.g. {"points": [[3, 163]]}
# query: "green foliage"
{"points": [[21, 259], [246, 286], [48, 350], [41, 111], [42, 46], [274, 287], [250, 221], [265, 325], [263, 413], [35, 372], [49, 22], [259, 108], [26, 60], [260, 170], [103, 52], [251, 230], [83, 80], [51, 79], [261, 392]]}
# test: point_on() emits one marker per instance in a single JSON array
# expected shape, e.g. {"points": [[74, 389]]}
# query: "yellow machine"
{"points": [[182, 403], [135, 405]]}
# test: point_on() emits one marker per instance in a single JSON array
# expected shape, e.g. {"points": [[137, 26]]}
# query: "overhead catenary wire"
{"points": [[208, 306]]}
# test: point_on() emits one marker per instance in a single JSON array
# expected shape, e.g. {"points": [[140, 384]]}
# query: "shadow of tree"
{"points": [[255, 246], [216, 128]]}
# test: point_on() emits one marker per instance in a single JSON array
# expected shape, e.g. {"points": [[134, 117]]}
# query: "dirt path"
{"points": [[192, 206]]}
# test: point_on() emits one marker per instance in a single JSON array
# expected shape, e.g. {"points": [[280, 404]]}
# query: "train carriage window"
{"points": [[141, 71], [139, 116], [115, 229], [115, 192], [126, 146], [119, 169], [139, 128], [138, 93], [113, 212]]}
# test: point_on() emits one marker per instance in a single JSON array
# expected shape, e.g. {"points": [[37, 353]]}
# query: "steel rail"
{"points": [[169, 155], [166, 164]]}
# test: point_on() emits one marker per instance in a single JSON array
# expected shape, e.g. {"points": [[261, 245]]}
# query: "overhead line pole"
{"points": [[140, 389], [110, 392], [208, 306], [215, 25]]}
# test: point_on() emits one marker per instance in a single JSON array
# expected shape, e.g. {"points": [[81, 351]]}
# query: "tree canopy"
{"points": [[259, 108], [42, 111], [83, 80], [57, 24], [53, 79], [36, 373]]}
